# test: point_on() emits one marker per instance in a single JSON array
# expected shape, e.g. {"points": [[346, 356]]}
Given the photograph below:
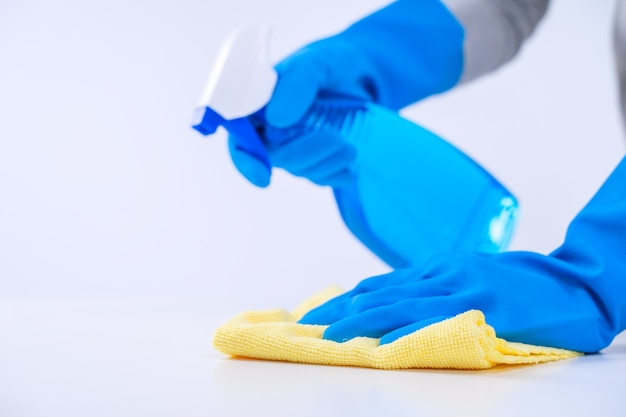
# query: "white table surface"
{"points": [[140, 357]]}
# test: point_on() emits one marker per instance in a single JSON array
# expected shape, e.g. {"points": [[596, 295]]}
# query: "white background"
{"points": [[106, 190], [126, 237]]}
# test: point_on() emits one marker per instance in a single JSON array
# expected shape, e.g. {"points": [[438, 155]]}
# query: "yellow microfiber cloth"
{"points": [[462, 342]]}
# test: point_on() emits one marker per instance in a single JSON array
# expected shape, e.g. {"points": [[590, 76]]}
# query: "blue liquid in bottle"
{"points": [[414, 195]]}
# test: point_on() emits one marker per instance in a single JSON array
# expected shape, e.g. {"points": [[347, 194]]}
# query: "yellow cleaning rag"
{"points": [[462, 342]]}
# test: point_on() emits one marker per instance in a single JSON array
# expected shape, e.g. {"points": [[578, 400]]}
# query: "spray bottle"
{"points": [[413, 194]]}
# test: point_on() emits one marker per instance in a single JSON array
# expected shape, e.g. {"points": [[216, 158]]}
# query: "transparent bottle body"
{"points": [[413, 194]]}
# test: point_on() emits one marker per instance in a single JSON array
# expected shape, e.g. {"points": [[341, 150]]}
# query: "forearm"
{"points": [[413, 49], [594, 249], [494, 31]]}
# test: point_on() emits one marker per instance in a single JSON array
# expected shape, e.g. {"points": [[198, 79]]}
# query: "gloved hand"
{"points": [[573, 298], [398, 55]]}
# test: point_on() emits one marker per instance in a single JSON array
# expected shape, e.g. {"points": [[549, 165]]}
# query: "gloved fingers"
{"points": [[326, 313], [334, 170], [391, 295], [396, 277], [305, 152], [300, 78], [251, 168], [340, 306], [351, 304], [406, 330], [380, 321], [317, 166], [339, 179]]}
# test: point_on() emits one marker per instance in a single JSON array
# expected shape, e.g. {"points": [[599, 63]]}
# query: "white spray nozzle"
{"points": [[242, 80]]}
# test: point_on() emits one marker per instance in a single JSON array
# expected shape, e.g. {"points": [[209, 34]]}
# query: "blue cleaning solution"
{"points": [[414, 194]]}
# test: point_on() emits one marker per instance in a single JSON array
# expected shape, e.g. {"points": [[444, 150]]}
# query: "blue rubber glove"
{"points": [[573, 298], [398, 55]]}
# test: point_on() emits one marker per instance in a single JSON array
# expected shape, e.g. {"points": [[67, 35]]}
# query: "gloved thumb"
{"points": [[329, 67], [300, 78], [250, 167]]}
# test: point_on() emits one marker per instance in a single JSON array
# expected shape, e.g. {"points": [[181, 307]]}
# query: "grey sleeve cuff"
{"points": [[619, 45], [494, 31]]}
